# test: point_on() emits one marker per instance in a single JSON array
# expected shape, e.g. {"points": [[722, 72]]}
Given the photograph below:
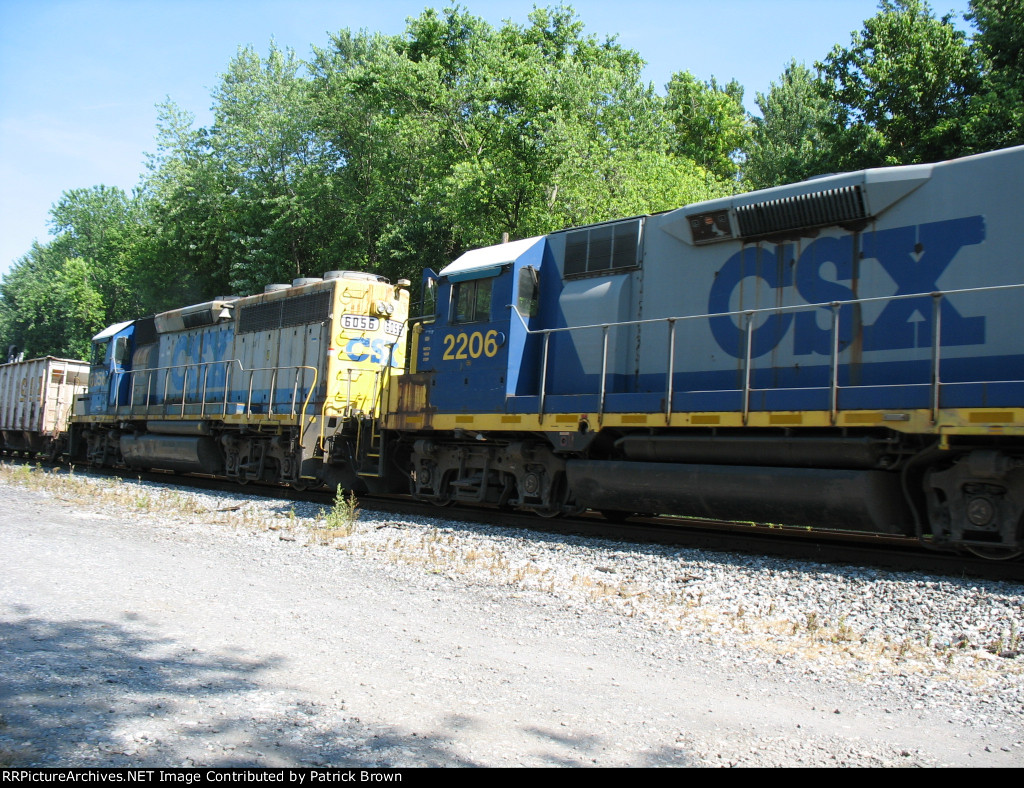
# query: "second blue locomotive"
{"points": [[844, 352]]}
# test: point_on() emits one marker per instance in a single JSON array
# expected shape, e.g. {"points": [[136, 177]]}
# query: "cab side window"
{"points": [[429, 303], [122, 351], [472, 301], [528, 291], [99, 353]]}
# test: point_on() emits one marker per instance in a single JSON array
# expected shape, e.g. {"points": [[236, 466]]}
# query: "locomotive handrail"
{"points": [[329, 409], [765, 310], [747, 319], [229, 366]]}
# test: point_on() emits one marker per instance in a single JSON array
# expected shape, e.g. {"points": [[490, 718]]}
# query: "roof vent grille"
{"points": [[818, 209]]}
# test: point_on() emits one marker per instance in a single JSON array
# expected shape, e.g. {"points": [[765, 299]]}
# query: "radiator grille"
{"points": [[818, 209], [285, 312]]}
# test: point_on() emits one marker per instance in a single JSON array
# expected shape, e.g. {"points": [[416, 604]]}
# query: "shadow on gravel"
{"points": [[68, 683], [99, 693], [588, 750]]}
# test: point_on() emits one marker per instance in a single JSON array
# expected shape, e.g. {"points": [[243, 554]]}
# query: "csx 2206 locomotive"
{"points": [[845, 352]]}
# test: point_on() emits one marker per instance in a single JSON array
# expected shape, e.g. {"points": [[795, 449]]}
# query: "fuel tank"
{"points": [[845, 499], [184, 453]]}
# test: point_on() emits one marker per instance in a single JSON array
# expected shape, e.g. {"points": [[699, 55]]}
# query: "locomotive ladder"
{"points": [[369, 438], [369, 448]]}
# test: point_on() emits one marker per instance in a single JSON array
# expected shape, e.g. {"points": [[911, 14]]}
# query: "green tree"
{"points": [[187, 232], [997, 109], [100, 226], [59, 294], [456, 132], [384, 153], [385, 128], [261, 140], [901, 88], [49, 304], [790, 140], [708, 123], [234, 202]]}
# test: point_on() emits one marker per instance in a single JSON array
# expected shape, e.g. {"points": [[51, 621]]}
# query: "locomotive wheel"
{"points": [[559, 499], [995, 553], [444, 495], [243, 472]]}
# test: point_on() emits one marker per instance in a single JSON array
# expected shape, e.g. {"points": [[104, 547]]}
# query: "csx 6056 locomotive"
{"points": [[283, 386]]}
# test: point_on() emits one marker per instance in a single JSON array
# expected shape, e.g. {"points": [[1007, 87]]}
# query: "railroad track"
{"points": [[827, 547]]}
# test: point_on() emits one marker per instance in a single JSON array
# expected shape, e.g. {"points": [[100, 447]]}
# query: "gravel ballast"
{"points": [[150, 625]]}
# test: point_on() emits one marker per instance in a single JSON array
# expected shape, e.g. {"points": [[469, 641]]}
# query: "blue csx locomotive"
{"points": [[846, 352]]}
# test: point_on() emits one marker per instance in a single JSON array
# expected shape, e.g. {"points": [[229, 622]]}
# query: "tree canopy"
{"points": [[791, 139], [901, 88]]}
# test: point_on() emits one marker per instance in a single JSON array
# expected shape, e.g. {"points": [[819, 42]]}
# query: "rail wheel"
{"points": [[995, 553], [560, 500]]}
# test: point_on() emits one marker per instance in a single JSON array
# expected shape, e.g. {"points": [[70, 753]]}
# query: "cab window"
{"points": [[99, 352], [472, 301], [122, 354], [526, 302], [429, 303]]}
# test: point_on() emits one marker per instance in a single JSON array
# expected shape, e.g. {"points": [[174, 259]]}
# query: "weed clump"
{"points": [[340, 521]]}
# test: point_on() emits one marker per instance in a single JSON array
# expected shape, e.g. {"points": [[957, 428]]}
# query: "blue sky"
{"points": [[80, 79]]}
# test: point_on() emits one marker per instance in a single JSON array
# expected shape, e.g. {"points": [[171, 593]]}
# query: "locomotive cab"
{"points": [[475, 351], [469, 405], [111, 363]]}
